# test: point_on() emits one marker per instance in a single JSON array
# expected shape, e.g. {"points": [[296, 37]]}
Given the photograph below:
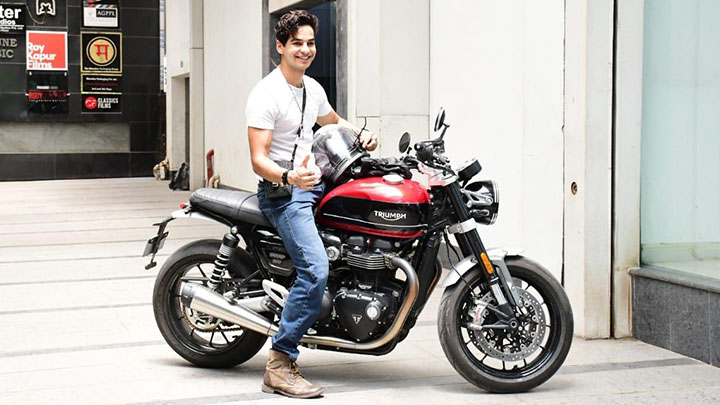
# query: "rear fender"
{"points": [[187, 213]]}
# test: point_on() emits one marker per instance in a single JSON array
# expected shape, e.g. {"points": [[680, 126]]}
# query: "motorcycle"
{"points": [[504, 322]]}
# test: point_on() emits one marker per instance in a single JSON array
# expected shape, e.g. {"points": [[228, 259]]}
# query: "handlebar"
{"points": [[430, 153]]}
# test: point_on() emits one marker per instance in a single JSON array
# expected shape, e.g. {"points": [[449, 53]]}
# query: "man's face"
{"points": [[299, 51]]}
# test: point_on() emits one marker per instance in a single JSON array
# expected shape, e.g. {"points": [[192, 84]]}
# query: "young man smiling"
{"points": [[281, 112]]}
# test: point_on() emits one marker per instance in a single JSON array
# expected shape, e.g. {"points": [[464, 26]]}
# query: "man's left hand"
{"points": [[369, 141]]}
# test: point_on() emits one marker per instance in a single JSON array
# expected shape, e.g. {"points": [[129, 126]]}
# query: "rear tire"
{"points": [[487, 374], [215, 348]]}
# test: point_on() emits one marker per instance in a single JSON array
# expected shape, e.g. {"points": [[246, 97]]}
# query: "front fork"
{"points": [[469, 240]]}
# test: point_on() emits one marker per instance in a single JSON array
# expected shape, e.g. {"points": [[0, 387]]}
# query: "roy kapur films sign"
{"points": [[46, 50]]}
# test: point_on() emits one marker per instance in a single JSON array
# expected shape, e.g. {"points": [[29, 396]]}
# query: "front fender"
{"points": [[497, 257]]}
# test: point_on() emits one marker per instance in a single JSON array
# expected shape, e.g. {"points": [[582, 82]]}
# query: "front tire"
{"points": [[487, 358], [199, 338]]}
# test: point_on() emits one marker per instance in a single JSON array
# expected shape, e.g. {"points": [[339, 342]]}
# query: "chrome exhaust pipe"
{"points": [[207, 301]]}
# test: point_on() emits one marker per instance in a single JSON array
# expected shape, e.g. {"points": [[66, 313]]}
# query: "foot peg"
{"points": [[276, 292]]}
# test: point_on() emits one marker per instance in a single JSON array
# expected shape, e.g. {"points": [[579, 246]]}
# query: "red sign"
{"points": [[91, 103], [47, 95], [46, 50]]}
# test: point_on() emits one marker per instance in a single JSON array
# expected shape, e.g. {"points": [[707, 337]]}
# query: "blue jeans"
{"points": [[293, 218]]}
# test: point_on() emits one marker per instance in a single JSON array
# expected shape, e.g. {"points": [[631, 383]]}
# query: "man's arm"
{"points": [[263, 166], [368, 140]]}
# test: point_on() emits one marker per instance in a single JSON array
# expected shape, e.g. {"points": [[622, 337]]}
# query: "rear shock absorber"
{"points": [[230, 242]]}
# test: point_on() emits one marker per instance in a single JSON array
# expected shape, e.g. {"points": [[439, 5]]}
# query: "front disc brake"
{"points": [[508, 344]]}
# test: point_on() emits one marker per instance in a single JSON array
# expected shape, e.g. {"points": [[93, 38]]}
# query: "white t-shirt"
{"points": [[275, 104]]}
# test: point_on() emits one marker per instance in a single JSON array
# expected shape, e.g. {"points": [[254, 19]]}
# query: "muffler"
{"points": [[207, 301]]}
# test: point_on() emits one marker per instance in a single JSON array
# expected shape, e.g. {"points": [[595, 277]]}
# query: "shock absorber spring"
{"points": [[230, 242]]}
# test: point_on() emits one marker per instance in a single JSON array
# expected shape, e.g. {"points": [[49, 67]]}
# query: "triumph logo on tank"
{"points": [[390, 216]]}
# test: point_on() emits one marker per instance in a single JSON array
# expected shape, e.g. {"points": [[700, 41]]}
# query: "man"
{"points": [[281, 112]]}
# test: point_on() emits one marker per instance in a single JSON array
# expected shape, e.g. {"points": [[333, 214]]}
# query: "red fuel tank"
{"points": [[387, 206]]}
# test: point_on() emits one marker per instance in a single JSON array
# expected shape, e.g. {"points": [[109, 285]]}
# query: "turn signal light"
{"points": [[488, 266]]}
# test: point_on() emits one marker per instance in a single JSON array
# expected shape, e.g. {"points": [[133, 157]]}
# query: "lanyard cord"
{"points": [[302, 119]]}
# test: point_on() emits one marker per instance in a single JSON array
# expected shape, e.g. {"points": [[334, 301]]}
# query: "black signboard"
{"points": [[106, 84], [12, 18], [47, 92], [101, 52], [101, 103], [100, 13]]}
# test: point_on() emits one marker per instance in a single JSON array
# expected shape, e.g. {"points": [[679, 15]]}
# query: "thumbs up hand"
{"points": [[302, 176]]}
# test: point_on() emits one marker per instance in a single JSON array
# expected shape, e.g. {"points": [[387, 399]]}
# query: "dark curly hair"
{"points": [[289, 23]]}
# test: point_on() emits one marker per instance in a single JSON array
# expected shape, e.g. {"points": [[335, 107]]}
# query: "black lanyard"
{"points": [[299, 131]]}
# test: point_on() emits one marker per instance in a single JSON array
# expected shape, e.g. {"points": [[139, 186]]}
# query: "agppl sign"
{"points": [[46, 50], [12, 18]]}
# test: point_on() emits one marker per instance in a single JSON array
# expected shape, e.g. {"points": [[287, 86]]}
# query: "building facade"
{"points": [[80, 89], [558, 100]]}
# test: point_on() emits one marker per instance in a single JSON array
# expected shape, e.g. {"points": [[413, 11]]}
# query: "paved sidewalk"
{"points": [[76, 323]]}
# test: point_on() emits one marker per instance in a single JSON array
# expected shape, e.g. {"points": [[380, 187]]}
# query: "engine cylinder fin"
{"points": [[367, 261]]}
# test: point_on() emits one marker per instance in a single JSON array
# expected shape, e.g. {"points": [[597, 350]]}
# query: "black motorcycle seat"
{"points": [[236, 205]]}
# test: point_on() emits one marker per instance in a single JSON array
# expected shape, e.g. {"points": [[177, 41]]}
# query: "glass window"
{"points": [[680, 197]]}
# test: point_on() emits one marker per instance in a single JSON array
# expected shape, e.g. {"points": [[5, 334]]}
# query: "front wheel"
{"points": [[503, 359]]}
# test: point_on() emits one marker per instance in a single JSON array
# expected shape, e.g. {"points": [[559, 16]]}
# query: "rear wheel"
{"points": [[199, 338], [504, 359]]}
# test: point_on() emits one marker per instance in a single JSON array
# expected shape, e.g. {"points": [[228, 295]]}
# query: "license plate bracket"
{"points": [[157, 242]]}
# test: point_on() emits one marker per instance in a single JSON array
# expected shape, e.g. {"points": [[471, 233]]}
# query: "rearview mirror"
{"points": [[440, 119], [404, 142]]}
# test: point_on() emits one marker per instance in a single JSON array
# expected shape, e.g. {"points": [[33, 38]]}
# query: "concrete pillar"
{"points": [[588, 163], [197, 96], [178, 69], [626, 194]]}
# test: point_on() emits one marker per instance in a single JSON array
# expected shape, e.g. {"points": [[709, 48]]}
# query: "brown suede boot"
{"points": [[283, 377]]}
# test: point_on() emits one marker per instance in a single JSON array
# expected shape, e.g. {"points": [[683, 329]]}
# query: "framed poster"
{"points": [[47, 92], [100, 13], [46, 50], [101, 52], [12, 18]]}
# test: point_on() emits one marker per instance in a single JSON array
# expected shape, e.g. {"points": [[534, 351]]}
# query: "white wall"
{"points": [[389, 52], [177, 19], [497, 69], [233, 65]]}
